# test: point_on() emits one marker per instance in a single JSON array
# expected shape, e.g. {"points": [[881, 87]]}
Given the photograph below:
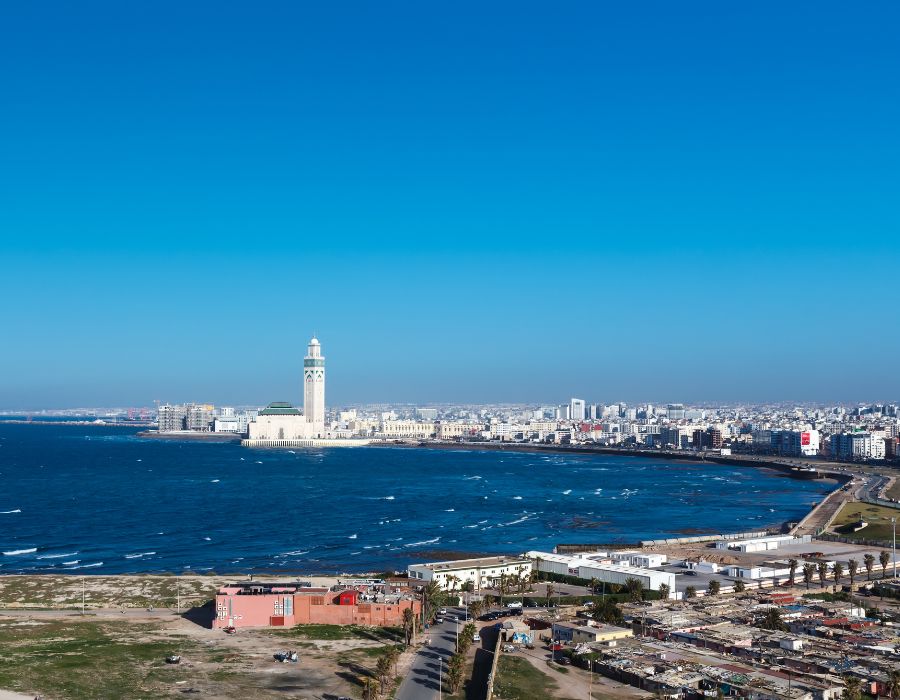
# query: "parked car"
{"points": [[476, 637], [514, 604]]}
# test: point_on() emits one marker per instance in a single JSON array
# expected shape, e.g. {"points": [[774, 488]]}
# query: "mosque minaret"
{"points": [[314, 388]]}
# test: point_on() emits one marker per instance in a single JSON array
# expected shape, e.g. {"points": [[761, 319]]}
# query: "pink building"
{"points": [[254, 604]]}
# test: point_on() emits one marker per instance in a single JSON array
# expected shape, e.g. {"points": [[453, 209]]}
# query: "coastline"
{"points": [[760, 461]]}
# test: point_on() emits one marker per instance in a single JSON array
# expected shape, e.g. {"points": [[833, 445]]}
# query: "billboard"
{"points": [[804, 439]]}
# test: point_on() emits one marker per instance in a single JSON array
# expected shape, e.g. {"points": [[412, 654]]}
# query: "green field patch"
{"points": [[517, 679], [87, 659], [878, 519], [335, 632]]}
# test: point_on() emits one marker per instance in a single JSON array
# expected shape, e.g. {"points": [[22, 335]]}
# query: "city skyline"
{"points": [[503, 204]]}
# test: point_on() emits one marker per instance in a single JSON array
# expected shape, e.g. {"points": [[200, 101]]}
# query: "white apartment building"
{"points": [[483, 573], [857, 446], [576, 409]]}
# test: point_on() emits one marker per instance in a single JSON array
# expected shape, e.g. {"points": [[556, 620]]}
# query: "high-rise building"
{"points": [[576, 409], [314, 387], [675, 411], [426, 413]]}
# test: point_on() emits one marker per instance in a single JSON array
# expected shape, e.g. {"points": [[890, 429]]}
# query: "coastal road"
{"points": [[421, 682]]}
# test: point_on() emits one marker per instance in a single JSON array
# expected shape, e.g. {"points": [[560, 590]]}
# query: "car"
{"points": [[442, 611], [514, 604], [230, 630], [476, 637]]}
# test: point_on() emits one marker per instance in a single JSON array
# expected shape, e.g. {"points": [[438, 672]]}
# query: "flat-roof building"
{"points": [[585, 567], [483, 573]]}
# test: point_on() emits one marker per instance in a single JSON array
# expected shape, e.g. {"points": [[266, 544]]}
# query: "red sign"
{"points": [[804, 438]]}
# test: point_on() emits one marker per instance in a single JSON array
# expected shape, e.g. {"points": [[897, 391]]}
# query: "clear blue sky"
{"points": [[466, 201]]}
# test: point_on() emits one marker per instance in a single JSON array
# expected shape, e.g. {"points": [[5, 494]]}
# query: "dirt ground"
{"points": [[213, 664], [576, 683]]}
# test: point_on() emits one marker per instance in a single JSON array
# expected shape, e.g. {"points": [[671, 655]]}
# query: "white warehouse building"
{"points": [[586, 568]]}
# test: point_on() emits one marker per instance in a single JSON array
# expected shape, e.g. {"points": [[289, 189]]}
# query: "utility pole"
{"points": [[178, 596], [440, 676], [82, 595]]}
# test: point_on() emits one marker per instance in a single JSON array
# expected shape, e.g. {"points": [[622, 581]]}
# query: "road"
{"points": [[421, 682]]}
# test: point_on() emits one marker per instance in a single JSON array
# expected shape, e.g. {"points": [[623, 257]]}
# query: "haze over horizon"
{"points": [[468, 204]]}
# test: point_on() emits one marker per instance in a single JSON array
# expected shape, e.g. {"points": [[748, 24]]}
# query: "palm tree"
{"points": [[869, 562], [772, 620], [852, 688], [822, 569], [594, 584], [664, 591], [550, 591], [536, 570], [739, 586], [635, 589], [837, 572], [476, 607], [383, 671], [884, 559], [852, 567], [713, 588], [409, 625], [793, 564], [369, 688], [455, 671], [430, 595], [393, 653], [808, 571], [690, 592], [893, 686]]}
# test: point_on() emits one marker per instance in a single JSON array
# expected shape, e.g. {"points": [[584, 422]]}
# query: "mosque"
{"points": [[282, 425]]}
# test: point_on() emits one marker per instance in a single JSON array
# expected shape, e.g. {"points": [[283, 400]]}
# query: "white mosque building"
{"points": [[282, 425]]}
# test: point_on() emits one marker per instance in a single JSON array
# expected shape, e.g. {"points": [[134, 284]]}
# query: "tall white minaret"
{"points": [[314, 388]]}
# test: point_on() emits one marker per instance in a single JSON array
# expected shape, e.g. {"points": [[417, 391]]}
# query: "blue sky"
{"points": [[642, 201]]}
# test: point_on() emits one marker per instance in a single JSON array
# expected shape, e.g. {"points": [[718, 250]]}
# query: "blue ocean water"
{"points": [[94, 499]]}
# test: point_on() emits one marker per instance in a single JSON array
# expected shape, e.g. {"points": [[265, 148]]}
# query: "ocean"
{"points": [[101, 500]]}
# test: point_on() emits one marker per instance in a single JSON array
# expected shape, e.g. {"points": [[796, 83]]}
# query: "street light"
{"points": [[894, 548]]}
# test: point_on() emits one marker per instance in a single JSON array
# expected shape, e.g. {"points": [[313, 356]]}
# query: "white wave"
{"points": [[291, 452], [567, 492], [207, 539], [88, 566], [517, 498], [14, 552], [352, 537], [450, 510], [139, 460], [416, 544], [469, 478], [68, 563], [468, 526], [10, 512], [258, 462], [482, 522], [242, 459], [57, 556], [214, 481], [387, 498], [138, 556], [516, 522], [295, 553]]}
